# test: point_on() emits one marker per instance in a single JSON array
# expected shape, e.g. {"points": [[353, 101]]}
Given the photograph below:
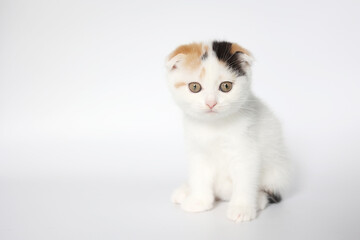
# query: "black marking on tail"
{"points": [[273, 197]]}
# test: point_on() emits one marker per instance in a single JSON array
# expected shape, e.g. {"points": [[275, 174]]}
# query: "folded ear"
{"points": [[188, 55], [245, 61], [172, 61], [244, 55], [237, 58]]}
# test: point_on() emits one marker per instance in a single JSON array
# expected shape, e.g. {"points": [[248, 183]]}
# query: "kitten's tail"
{"points": [[273, 197]]}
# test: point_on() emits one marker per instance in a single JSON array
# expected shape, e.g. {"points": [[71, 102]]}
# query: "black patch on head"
{"points": [[223, 53], [204, 56], [273, 197]]}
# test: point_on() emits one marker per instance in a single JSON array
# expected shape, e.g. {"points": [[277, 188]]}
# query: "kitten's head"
{"points": [[209, 81]]}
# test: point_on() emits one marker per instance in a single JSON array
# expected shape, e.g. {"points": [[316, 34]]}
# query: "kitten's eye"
{"points": [[194, 87], [225, 86]]}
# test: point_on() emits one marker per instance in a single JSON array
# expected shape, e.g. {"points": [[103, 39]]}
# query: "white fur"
{"points": [[235, 152]]}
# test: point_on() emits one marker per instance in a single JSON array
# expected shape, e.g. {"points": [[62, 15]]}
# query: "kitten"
{"points": [[233, 141]]}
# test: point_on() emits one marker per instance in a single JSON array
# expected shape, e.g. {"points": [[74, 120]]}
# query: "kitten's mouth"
{"points": [[211, 111]]}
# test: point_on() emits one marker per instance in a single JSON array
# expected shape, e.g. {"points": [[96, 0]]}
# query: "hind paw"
{"points": [[262, 201]]}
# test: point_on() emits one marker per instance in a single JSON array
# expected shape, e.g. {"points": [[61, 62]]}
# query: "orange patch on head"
{"points": [[179, 84], [192, 54], [237, 48]]}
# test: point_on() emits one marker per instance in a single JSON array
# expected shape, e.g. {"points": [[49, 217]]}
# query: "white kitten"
{"points": [[234, 142]]}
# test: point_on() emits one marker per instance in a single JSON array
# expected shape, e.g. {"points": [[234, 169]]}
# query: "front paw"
{"points": [[241, 213], [197, 204]]}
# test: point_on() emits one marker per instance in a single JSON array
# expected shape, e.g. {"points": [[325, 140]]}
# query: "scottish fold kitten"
{"points": [[233, 141]]}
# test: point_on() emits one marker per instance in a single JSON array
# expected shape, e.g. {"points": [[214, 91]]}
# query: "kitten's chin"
{"points": [[207, 115]]}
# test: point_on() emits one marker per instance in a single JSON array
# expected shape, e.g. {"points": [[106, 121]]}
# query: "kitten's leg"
{"points": [[201, 197], [180, 194], [244, 199]]}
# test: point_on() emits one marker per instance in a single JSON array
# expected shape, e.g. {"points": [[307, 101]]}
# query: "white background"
{"points": [[91, 142]]}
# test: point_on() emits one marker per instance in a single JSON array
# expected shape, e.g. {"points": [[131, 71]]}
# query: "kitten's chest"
{"points": [[214, 138]]}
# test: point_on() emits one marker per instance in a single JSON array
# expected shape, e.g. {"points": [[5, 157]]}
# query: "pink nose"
{"points": [[211, 104]]}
